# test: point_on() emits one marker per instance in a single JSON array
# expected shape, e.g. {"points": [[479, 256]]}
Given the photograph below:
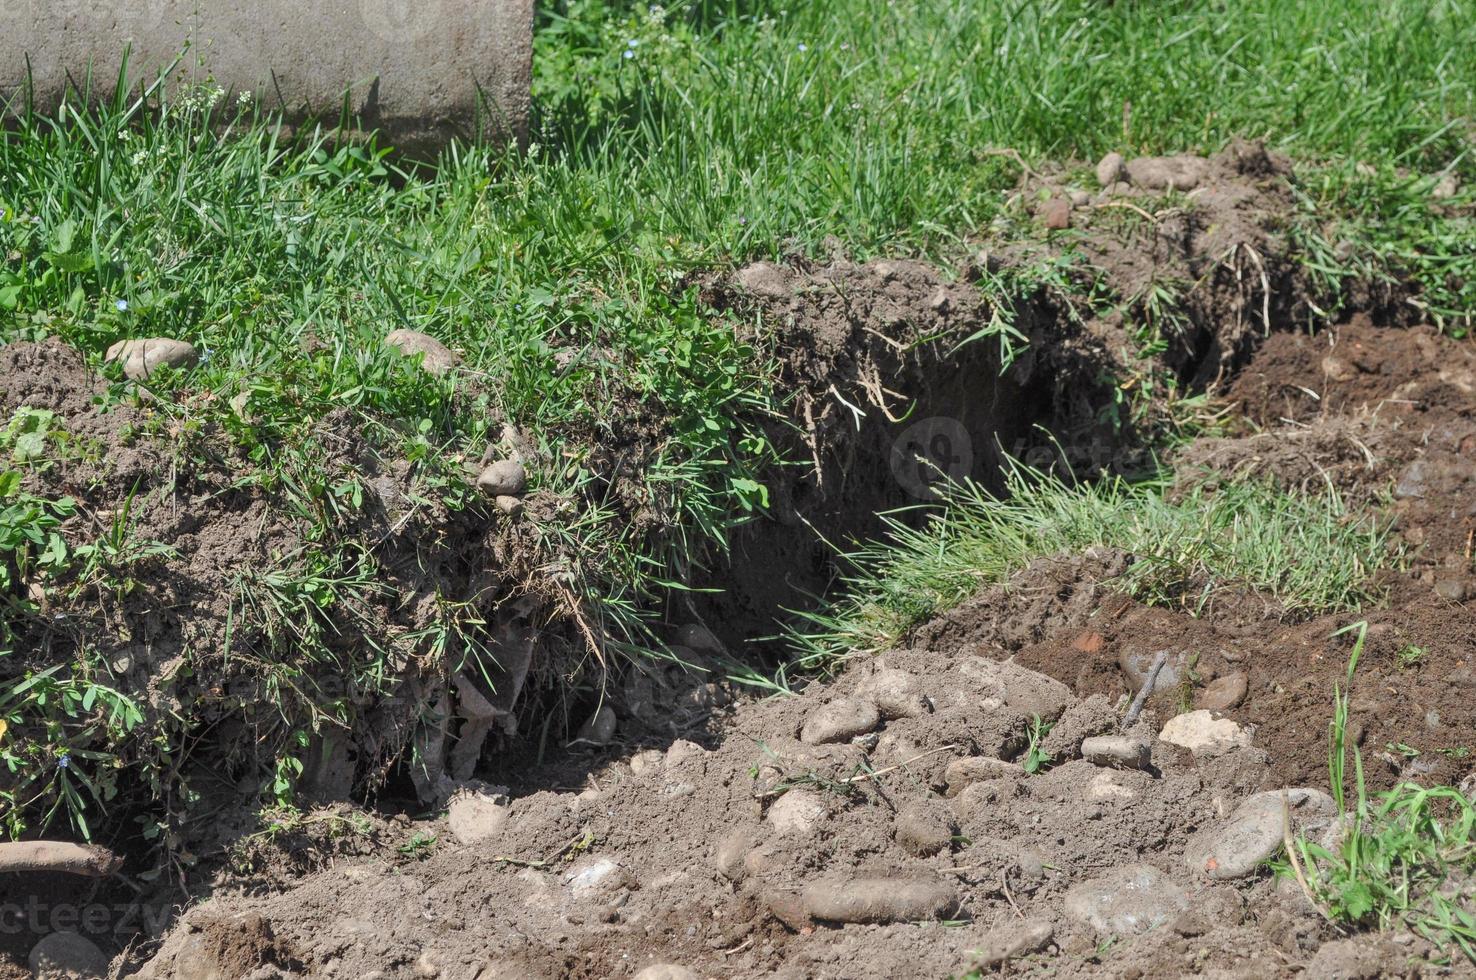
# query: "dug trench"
{"points": [[928, 811]]}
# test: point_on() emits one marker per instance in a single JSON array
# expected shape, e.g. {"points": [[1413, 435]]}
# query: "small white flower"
{"points": [[632, 43], [803, 47], [139, 157], [244, 99], [629, 54], [122, 305]]}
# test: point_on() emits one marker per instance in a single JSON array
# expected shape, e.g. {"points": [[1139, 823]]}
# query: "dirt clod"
{"points": [[879, 900], [504, 478], [1111, 169], [1117, 752], [438, 358], [925, 827], [839, 720], [1013, 940], [1179, 173]]}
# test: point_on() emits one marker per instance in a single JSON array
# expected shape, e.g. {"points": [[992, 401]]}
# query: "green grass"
{"points": [[1405, 858], [664, 142], [1306, 551]]}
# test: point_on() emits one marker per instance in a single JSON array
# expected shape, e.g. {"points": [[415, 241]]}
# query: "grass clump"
{"points": [[1406, 857], [1308, 551]]}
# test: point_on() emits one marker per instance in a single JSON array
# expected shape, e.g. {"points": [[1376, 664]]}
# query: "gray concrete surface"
{"points": [[420, 70]]}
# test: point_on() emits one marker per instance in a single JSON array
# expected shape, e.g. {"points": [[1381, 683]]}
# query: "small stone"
{"points": [[879, 900], [895, 693], [476, 816], [141, 358], [977, 768], [504, 478], [797, 812], [1117, 752], [1126, 901], [1451, 589], [839, 721], [1205, 735], [600, 727], [511, 506], [1223, 693], [665, 971], [1013, 940], [924, 828], [438, 357], [1056, 214], [67, 956], [1338, 369], [1254, 832], [1448, 186], [1080, 199], [1111, 169]]}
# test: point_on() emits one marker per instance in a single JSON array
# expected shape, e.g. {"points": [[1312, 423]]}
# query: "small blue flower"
{"points": [[803, 47], [64, 761], [122, 305], [632, 43], [629, 54]]}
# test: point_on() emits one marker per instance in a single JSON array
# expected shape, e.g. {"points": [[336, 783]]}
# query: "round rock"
{"points": [[67, 956], [1223, 693], [141, 358], [839, 721], [1126, 901], [1254, 832], [438, 358], [504, 478]]}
